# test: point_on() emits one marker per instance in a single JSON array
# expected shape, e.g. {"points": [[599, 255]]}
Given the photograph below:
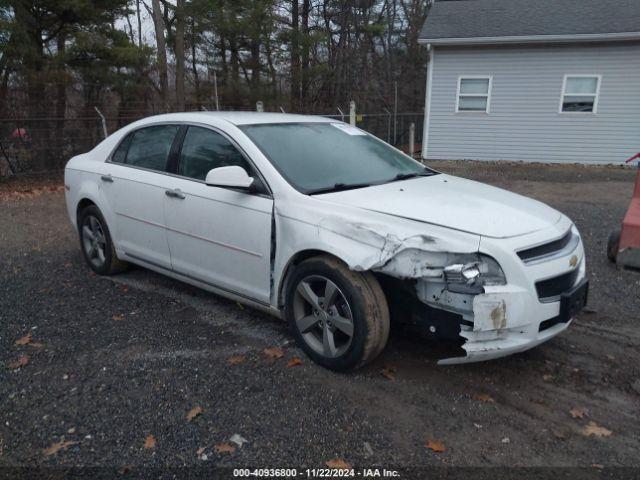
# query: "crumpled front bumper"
{"points": [[512, 342], [509, 318]]}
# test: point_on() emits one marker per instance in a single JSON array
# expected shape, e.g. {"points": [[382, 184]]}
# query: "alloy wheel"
{"points": [[94, 241], [323, 316]]}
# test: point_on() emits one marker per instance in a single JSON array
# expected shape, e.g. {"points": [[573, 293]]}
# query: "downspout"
{"points": [[427, 107]]}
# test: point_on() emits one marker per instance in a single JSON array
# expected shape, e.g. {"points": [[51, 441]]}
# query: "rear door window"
{"points": [[149, 147]]}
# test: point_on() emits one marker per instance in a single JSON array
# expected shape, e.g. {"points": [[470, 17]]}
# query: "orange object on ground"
{"points": [[629, 247]]}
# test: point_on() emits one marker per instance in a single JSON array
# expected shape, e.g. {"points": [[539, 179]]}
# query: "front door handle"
{"points": [[107, 178], [176, 193]]}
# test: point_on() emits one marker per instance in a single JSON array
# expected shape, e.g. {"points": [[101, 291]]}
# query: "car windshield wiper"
{"points": [[406, 176], [338, 187]]}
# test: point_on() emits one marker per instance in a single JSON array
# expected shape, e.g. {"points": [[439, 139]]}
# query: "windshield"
{"points": [[323, 157]]}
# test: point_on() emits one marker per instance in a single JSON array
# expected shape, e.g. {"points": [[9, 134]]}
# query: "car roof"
{"points": [[241, 118]]}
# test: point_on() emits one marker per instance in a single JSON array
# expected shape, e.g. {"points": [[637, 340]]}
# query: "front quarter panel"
{"points": [[364, 240]]}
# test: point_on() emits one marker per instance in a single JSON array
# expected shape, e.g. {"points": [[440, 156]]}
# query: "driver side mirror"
{"points": [[229, 177]]}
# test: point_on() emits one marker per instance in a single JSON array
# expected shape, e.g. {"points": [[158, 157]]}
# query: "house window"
{"points": [[580, 93], [474, 94]]}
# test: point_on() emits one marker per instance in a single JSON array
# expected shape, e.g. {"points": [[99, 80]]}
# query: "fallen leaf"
{"points": [[200, 451], [547, 377], [506, 440], [594, 429], [236, 359], [117, 317], [482, 397], [21, 361], [71, 431], [238, 439], [194, 412], [56, 447], [597, 466], [559, 435], [24, 340], [294, 362], [337, 463], [149, 442], [578, 412], [274, 352], [436, 446], [224, 448], [389, 373]]}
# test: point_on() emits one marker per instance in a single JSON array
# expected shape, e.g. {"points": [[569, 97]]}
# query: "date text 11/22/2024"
{"points": [[316, 473]]}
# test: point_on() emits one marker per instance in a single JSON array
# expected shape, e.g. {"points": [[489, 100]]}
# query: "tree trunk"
{"points": [[180, 71], [194, 63], [295, 55], [139, 23], [162, 52], [235, 70], [304, 87]]}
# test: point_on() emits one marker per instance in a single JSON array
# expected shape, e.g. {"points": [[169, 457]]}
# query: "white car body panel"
{"points": [[137, 197], [438, 200], [243, 246], [221, 236]]}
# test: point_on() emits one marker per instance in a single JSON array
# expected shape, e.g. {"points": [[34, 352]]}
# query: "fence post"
{"points": [[352, 112], [259, 106], [412, 138], [104, 123]]}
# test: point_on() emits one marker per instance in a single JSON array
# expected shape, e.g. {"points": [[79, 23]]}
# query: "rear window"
{"points": [[148, 147]]}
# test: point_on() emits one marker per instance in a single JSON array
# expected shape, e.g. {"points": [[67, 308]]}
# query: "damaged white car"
{"points": [[331, 228]]}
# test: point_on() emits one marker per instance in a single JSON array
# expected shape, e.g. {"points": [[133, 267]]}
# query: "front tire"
{"points": [[96, 243], [340, 318]]}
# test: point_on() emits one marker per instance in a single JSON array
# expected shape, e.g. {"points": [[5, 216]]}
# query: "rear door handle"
{"points": [[107, 178], [176, 193]]}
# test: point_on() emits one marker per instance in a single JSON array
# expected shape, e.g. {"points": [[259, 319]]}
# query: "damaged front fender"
{"points": [[414, 255]]}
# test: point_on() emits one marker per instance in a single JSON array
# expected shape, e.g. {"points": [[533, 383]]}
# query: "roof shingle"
{"points": [[468, 19]]}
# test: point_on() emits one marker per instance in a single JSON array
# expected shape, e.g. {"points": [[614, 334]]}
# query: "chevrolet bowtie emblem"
{"points": [[574, 261]]}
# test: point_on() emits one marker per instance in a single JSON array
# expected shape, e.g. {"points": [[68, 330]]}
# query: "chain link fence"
{"points": [[45, 143]]}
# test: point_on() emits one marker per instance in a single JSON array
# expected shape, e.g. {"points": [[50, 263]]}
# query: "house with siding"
{"points": [[540, 81]]}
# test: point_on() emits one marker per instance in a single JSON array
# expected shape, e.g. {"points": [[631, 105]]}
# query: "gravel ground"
{"points": [[113, 361]]}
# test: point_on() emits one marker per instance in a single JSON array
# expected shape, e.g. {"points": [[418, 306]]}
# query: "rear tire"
{"points": [[613, 245], [96, 243], [339, 317]]}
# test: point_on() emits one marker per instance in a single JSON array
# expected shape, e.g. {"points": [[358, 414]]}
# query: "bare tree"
{"points": [[179, 52], [295, 54], [139, 23], [161, 46]]}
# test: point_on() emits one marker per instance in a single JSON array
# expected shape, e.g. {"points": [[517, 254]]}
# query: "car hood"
{"points": [[453, 202]]}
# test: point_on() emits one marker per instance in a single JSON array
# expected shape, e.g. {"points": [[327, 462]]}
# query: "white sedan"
{"points": [[329, 227]]}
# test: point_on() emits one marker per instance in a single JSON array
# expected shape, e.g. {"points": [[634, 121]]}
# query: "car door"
{"points": [[135, 187], [220, 236]]}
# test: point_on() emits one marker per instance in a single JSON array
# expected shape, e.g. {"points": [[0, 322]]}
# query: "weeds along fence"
{"points": [[45, 143]]}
